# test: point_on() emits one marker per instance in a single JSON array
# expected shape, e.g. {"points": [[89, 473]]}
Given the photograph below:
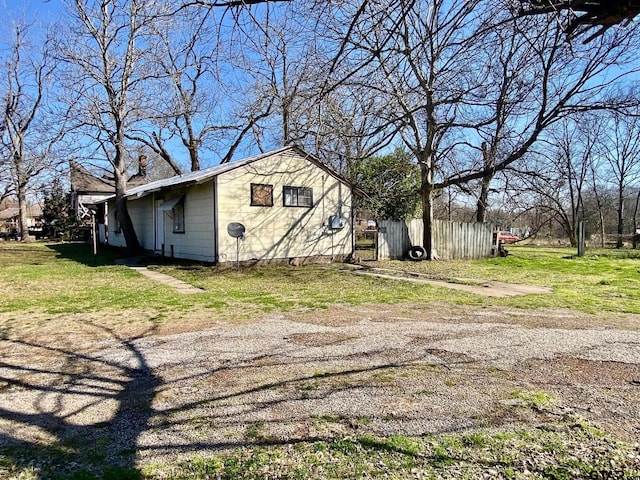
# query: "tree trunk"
{"points": [[620, 217], [481, 212], [193, 155], [573, 236], [126, 225], [635, 221], [23, 223], [286, 103], [427, 221], [426, 192], [21, 191], [122, 212], [600, 207]]}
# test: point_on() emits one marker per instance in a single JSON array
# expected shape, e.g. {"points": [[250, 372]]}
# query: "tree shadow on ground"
{"points": [[108, 255], [83, 253], [69, 414], [53, 432]]}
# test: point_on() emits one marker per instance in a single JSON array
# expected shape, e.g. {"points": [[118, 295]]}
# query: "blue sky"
{"points": [[31, 9]]}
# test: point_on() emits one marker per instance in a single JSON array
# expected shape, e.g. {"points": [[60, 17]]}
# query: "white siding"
{"points": [[280, 232], [141, 212], [114, 238], [197, 242], [276, 232]]}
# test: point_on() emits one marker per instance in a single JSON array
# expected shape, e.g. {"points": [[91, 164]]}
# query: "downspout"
{"points": [[351, 226], [324, 213], [216, 246], [154, 209]]}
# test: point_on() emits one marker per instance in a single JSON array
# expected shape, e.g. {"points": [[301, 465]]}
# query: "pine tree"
{"points": [[57, 212]]}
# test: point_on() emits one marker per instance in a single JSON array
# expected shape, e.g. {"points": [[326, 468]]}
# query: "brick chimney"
{"points": [[142, 165]]}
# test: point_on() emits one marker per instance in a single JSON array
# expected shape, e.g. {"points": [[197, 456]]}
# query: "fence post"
{"points": [[581, 239]]}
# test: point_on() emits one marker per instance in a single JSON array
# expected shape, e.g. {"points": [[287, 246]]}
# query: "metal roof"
{"points": [[194, 178], [201, 176]]}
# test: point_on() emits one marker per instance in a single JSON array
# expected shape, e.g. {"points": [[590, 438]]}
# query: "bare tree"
{"points": [[559, 171], [503, 97], [344, 128], [421, 62], [432, 63], [104, 53], [563, 80], [201, 100], [108, 52], [28, 130], [620, 146], [288, 58], [280, 57], [599, 203]]}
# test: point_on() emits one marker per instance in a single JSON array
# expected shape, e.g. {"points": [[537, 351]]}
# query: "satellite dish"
{"points": [[336, 222], [236, 230]]}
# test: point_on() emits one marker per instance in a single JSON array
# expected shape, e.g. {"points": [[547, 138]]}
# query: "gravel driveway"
{"points": [[382, 370]]}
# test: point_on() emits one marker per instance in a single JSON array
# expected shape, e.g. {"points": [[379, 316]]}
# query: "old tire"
{"points": [[417, 253]]}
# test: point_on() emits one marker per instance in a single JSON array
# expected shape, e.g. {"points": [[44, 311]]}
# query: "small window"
{"points": [[261, 195], [298, 197], [178, 216], [175, 205]]}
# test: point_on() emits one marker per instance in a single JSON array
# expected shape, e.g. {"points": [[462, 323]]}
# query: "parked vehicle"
{"points": [[507, 237], [12, 235]]}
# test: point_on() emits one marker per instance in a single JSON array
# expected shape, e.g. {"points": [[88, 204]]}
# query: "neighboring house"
{"points": [[89, 191], [10, 219], [292, 207]]}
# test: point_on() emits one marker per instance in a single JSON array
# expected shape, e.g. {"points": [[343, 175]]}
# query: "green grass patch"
{"points": [[254, 431], [602, 280], [520, 454], [61, 278], [535, 398], [54, 279]]}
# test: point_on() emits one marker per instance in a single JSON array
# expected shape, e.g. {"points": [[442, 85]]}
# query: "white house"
{"points": [[290, 206]]}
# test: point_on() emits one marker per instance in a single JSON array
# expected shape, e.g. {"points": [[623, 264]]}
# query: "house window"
{"points": [[178, 216], [176, 207], [298, 197], [261, 195]]}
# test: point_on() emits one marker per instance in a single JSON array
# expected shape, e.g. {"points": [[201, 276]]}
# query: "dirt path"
{"points": [[486, 288], [382, 370]]}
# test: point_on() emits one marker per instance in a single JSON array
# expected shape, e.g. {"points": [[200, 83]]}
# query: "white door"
{"points": [[159, 226]]}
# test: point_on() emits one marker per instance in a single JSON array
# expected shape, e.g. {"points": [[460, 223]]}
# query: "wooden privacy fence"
{"points": [[451, 240]]}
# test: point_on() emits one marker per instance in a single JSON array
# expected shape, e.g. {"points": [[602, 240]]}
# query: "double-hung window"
{"points": [[298, 197]]}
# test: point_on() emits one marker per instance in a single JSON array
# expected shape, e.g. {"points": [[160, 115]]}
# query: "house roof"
{"points": [[33, 211], [201, 176], [83, 182]]}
